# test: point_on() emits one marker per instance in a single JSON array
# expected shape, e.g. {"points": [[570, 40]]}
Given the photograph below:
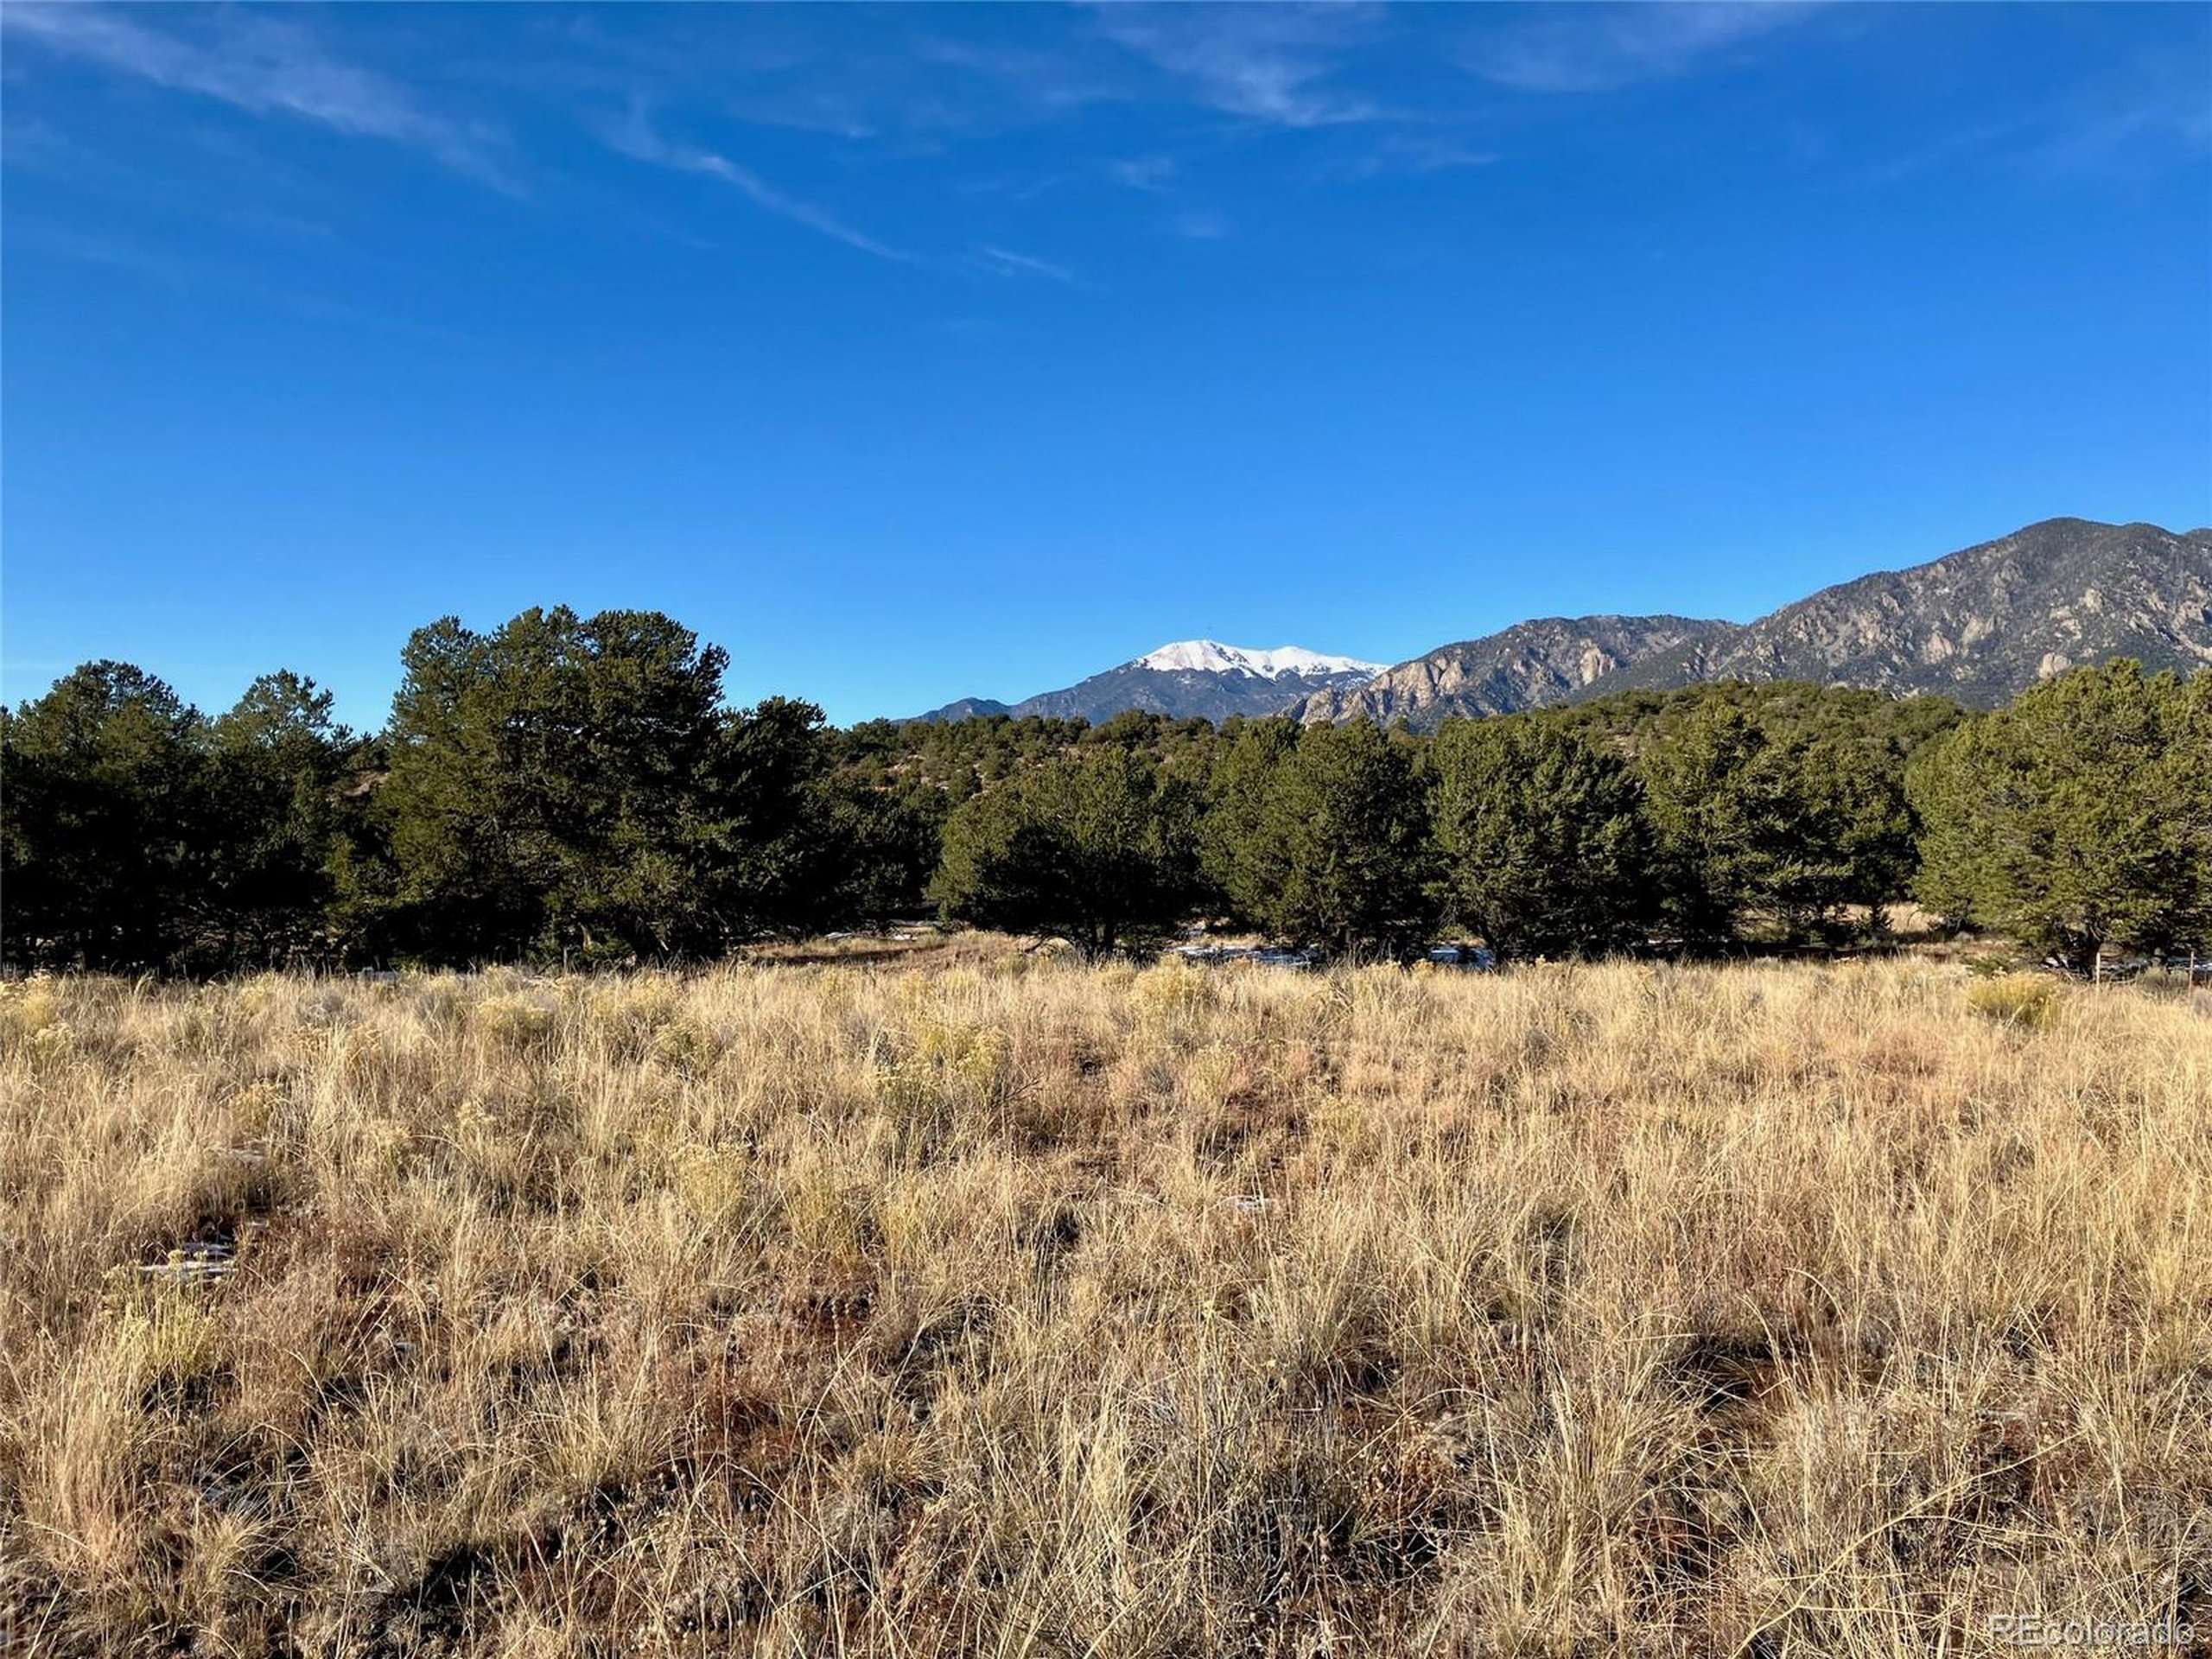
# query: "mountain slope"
{"points": [[1189, 677], [1979, 624], [1526, 666], [969, 709]]}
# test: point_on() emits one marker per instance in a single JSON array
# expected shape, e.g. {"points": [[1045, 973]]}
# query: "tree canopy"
{"points": [[1542, 845], [2080, 817], [571, 784], [100, 855], [570, 787], [1097, 848], [1328, 844]]}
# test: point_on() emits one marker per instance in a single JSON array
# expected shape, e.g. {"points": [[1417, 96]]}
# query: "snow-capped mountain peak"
{"points": [[1191, 679], [1212, 657]]}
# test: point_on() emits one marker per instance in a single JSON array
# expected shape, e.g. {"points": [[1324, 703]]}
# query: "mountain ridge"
{"points": [[1544, 660], [1979, 624], [1181, 679]]}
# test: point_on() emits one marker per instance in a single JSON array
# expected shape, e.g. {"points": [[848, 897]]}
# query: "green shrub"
{"points": [[514, 1022], [2015, 1000]]}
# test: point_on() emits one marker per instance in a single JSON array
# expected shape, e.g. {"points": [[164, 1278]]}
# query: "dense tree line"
{"points": [[1544, 834], [564, 788], [136, 832], [576, 788]]}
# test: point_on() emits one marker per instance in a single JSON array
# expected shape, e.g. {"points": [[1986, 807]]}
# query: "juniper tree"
{"points": [[2079, 817], [574, 784], [1327, 844], [1095, 847], [1542, 845], [1721, 811], [103, 833], [278, 791]]}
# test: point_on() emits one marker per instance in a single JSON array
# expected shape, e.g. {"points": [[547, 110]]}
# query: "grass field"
{"points": [[963, 1302]]}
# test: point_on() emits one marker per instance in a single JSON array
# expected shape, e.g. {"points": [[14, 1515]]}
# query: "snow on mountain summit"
{"points": [[1212, 657], [1191, 679]]}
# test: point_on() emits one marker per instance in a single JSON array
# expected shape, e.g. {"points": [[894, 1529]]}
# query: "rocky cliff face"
{"points": [[1527, 666], [1979, 624]]}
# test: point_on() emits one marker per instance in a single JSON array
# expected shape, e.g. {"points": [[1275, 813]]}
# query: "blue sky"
{"points": [[921, 353]]}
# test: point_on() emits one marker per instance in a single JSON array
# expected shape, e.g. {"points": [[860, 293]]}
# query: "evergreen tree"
{"points": [[276, 767], [1849, 841], [880, 847], [1787, 829], [1096, 847], [1235, 859], [762, 824], [102, 830], [573, 785], [1720, 809], [2184, 785], [1544, 849], [2078, 817], [1335, 852]]}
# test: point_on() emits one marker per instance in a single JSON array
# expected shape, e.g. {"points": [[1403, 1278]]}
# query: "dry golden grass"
{"points": [[1015, 1308]]}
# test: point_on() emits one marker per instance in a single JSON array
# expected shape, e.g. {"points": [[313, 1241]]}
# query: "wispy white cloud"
{"points": [[904, 86], [1010, 264], [2139, 115], [266, 65], [101, 248], [1040, 82], [635, 137], [1196, 225], [1960, 144], [1143, 172], [1158, 177], [820, 111], [1270, 63], [189, 275], [1596, 48], [2155, 105], [1408, 151]]}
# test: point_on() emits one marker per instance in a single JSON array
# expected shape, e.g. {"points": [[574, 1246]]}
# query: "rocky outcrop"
{"points": [[1527, 666], [1980, 625]]}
